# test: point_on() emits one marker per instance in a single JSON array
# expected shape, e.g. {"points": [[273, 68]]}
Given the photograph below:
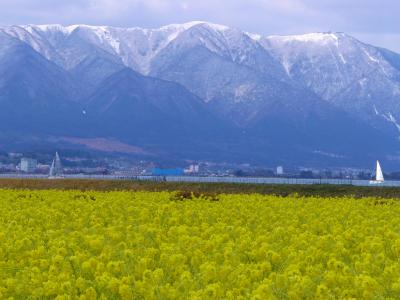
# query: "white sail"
{"points": [[57, 165], [56, 169], [52, 171], [379, 174]]}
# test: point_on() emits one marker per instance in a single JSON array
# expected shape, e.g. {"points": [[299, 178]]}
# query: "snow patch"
{"points": [[254, 36], [394, 121], [310, 37], [186, 26], [67, 30], [377, 61], [104, 35], [218, 27], [286, 65], [376, 111], [362, 83], [241, 91], [342, 58], [370, 57], [390, 118]]}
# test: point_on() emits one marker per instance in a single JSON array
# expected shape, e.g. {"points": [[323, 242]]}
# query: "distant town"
{"points": [[15, 163]]}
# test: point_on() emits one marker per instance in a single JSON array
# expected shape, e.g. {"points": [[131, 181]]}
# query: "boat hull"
{"points": [[375, 182]]}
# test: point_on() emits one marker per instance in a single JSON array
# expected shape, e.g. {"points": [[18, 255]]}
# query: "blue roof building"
{"points": [[167, 172]]}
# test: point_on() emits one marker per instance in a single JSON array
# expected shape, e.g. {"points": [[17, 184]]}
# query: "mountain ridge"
{"points": [[241, 85]]}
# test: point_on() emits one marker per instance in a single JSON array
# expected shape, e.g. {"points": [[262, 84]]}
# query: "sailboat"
{"points": [[56, 170], [379, 175]]}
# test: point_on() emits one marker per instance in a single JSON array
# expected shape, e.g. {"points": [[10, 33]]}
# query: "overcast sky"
{"points": [[373, 21]]}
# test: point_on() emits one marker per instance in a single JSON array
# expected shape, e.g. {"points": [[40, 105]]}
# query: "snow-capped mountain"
{"points": [[135, 47], [312, 93], [341, 70]]}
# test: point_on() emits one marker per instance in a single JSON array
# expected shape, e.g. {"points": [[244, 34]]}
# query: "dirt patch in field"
{"points": [[105, 145]]}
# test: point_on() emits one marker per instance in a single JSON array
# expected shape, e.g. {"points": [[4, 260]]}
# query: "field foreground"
{"points": [[156, 245]]}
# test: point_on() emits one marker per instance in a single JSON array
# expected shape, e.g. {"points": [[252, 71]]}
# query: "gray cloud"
{"points": [[374, 21]]}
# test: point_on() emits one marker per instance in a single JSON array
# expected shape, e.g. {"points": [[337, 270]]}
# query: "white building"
{"points": [[28, 165], [279, 170], [192, 169]]}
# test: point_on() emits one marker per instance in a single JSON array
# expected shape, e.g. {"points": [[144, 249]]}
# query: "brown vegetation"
{"points": [[210, 190]]}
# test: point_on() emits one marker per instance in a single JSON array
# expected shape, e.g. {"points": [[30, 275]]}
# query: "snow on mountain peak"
{"points": [[51, 28], [137, 47], [324, 37], [254, 36], [186, 26]]}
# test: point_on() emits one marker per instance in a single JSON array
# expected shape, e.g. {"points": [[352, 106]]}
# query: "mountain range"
{"points": [[201, 91]]}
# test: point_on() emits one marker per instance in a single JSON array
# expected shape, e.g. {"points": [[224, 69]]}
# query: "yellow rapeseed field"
{"points": [[144, 245]]}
